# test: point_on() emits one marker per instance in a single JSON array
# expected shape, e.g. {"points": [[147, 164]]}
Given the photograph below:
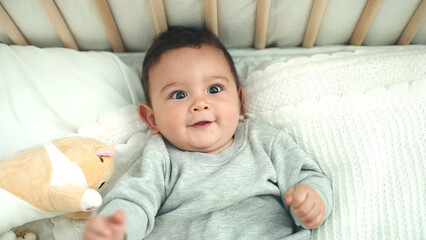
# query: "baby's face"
{"points": [[195, 101]]}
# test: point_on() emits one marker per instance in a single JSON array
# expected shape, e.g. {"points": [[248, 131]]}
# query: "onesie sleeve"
{"points": [[140, 192], [294, 166]]}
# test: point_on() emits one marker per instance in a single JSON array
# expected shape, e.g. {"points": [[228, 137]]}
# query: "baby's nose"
{"points": [[200, 105], [200, 108]]}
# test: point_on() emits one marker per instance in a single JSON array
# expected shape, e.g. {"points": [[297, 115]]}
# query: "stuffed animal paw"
{"points": [[24, 235], [90, 200], [59, 178]]}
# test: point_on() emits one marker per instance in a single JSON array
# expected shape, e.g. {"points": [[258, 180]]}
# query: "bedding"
{"points": [[301, 78], [358, 111], [48, 93], [361, 117], [51, 93]]}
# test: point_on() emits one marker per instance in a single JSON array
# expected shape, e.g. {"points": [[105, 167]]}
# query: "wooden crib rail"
{"points": [[210, 13], [11, 29], [108, 22], [318, 10], [262, 19], [314, 23], [159, 15], [367, 17], [414, 25], [59, 23]]}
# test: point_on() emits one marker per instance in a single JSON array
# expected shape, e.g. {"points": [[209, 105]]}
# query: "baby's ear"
{"points": [[241, 100], [147, 115]]}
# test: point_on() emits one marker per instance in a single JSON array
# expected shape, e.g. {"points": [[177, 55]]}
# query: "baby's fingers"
{"points": [[313, 220], [93, 236], [288, 196], [305, 209], [96, 229], [117, 218], [296, 196], [307, 204]]}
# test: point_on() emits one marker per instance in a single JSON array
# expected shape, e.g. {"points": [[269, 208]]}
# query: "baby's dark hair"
{"points": [[179, 37]]}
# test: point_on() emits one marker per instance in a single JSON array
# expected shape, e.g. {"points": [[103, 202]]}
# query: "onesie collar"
{"points": [[213, 159]]}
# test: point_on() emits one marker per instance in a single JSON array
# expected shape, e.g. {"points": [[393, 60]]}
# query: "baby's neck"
{"points": [[214, 151]]}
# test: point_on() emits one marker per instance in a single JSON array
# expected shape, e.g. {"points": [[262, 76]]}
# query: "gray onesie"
{"points": [[236, 194]]}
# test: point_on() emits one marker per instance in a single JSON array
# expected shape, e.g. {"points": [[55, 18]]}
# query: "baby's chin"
{"points": [[210, 149]]}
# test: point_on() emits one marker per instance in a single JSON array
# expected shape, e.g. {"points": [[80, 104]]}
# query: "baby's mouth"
{"points": [[201, 124]]}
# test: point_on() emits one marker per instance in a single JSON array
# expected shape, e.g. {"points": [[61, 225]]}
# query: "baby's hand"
{"points": [[307, 204], [106, 228]]}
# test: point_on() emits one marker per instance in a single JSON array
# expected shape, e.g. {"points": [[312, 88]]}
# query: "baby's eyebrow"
{"points": [[167, 86], [220, 77]]}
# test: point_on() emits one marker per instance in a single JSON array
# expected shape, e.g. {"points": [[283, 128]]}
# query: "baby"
{"points": [[206, 172]]}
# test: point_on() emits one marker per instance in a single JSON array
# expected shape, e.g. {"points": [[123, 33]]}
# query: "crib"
{"points": [[346, 79]]}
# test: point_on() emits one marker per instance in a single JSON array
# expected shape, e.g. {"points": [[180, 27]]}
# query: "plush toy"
{"points": [[55, 179]]}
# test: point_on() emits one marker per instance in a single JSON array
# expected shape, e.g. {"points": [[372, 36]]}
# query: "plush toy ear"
{"points": [[104, 153], [108, 153]]}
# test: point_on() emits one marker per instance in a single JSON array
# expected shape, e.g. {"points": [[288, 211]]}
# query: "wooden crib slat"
{"points": [[413, 25], [262, 21], [210, 12], [365, 21], [159, 15], [11, 29], [314, 23], [59, 23], [108, 22]]}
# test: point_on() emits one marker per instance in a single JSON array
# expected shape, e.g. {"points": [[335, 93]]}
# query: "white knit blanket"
{"points": [[311, 78], [370, 143]]}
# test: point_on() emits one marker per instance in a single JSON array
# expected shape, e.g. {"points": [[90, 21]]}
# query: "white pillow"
{"points": [[49, 93], [370, 143]]}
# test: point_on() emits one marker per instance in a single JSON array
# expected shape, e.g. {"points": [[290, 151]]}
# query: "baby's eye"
{"points": [[215, 89], [178, 95]]}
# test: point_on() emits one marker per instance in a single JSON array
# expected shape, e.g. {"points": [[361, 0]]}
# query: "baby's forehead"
{"points": [[189, 59], [210, 50]]}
